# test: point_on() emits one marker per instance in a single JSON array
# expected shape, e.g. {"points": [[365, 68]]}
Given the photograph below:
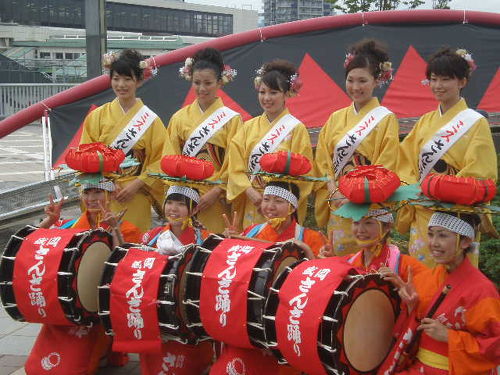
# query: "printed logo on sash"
{"points": [[271, 141], [51, 361], [445, 137], [346, 147], [206, 130], [134, 130]]}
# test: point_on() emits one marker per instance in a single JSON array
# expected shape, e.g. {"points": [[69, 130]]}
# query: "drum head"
{"points": [[368, 324], [89, 274]]}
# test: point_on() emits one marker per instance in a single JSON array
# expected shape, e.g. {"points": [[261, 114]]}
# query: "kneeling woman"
{"points": [[279, 207], [372, 235], [180, 202], [463, 334]]}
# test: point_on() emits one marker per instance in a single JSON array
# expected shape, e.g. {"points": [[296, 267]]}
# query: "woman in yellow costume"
{"points": [[126, 123], [362, 134], [275, 130], [204, 128], [452, 140]]}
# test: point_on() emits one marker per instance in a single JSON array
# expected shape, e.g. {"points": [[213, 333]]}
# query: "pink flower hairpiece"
{"points": [[108, 59], [186, 71], [295, 84], [385, 73], [467, 56], [348, 58], [228, 74]]}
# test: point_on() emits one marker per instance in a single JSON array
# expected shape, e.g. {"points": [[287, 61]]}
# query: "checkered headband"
{"points": [[103, 185], [282, 193], [184, 190], [452, 223], [380, 215]]}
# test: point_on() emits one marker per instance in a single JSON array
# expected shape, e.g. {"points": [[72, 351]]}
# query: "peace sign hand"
{"points": [[231, 227], [53, 210], [408, 293], [326, 250]]}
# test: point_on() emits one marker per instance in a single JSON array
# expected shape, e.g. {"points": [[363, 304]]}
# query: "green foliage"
{"points": [[355, 6], [441, 4]]}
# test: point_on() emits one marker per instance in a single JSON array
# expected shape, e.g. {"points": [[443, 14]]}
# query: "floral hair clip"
{"points": [[385, 72], [228, 74], [425, 82], [467, 56], [295, 85], [258, 77], [149, 71], [108, 59], [186, 71], [348, 58]]}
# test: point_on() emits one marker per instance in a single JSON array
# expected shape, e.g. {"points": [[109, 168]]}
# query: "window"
{"points": [[45, 55], [59, 55]]}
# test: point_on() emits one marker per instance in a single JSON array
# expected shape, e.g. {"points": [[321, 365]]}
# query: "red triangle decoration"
{"points": [[226, 99], [319, 96], [490, 102], [406, 95], [75, 141]]}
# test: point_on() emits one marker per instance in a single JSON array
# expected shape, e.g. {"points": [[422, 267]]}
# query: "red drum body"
{"points": [[228, 281], [150, 294], [51, 275], [323, 317]]}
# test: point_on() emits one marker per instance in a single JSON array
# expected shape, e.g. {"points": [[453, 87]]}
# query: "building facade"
{"points": [[280, 11]]}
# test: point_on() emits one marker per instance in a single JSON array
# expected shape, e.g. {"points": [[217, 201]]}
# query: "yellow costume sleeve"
{"points": [[91, 127], [407, 169], [234, 125], [237, 162]]}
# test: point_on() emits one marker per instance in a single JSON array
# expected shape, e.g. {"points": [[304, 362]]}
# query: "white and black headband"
{"points": [[282, 193], [452, 223], [184, 190]]}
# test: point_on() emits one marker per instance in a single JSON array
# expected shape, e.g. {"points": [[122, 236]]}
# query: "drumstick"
{"points": [[410, 348], [238, 237]]}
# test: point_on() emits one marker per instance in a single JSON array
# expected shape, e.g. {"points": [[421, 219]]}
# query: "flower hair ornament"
{"points": [[294, 81], [186, 71], [385, 72], [228, 74], [108, 59], [258, 77], [467, 56], [348, 58]]}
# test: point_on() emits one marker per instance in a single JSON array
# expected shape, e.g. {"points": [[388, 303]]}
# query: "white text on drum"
{"points": [[223, 300], [299, 302], [170, 362], [135, 294], [37, 271]]}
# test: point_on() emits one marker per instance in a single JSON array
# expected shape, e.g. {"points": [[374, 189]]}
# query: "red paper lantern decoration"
{"points": [[284, 162], [186, 167], [94, 158], [369, 184], [459, 190]]}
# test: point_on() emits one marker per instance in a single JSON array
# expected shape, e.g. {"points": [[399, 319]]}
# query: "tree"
{"points": [[354, 6], [441, 4]]}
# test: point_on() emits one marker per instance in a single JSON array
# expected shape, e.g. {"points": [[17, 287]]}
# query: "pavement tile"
{"points": [[16, 345], [30, 330]]}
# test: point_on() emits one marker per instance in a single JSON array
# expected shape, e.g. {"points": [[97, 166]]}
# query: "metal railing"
{"points": [[17, 96]]}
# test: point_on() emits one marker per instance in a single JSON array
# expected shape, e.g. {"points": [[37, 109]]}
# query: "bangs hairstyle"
{"points": [[191, 204], [127, 64], [447, 63], [368, 54], [209, 58], [291, 187], [277, 74], [472, 219]]}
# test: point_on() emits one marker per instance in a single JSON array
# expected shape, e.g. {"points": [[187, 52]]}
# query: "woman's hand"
{"points": [[434, 329], [389, 275], [408, 293], [208, 199], [326, 251], [125, 194], [231, 227], [254, 196], [53, 212], [307, 249]]}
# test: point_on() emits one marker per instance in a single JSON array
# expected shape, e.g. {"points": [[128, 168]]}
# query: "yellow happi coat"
{"points": [[104, 124], [180, 127], [378, 147], [473, 155], [241, 147]]}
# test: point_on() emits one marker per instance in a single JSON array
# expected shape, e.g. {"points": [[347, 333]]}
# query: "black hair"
{"points": [[277, 74], [368, 54], [191, 204], [128, 64], [447, 63], [209, 58]]}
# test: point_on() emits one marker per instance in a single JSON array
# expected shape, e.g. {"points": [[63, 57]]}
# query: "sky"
{"points": [[481, 5]]}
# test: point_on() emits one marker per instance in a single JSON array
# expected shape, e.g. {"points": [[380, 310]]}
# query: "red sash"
{"points": [[133, 305], [35, 275], [224, 286], [302, 303]]}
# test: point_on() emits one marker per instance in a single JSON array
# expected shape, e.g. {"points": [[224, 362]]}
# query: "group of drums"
{"points": [[321, 316]]}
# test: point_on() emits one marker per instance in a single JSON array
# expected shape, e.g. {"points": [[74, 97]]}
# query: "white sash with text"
{"points": [[349, 143], [134, 130], [270, 142], [441, 142], [206, 130]]}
